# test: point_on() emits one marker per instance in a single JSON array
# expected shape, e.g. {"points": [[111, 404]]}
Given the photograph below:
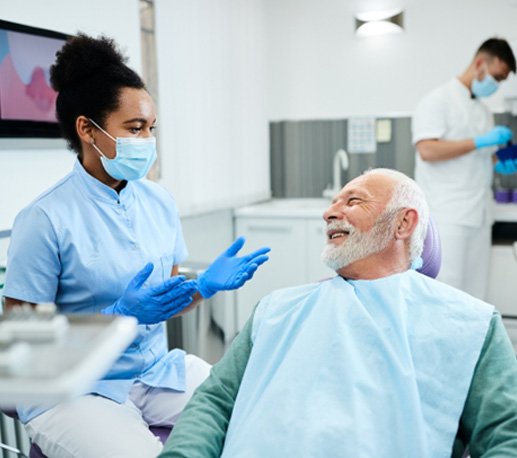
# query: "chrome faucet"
{"points": [[340, 163]]}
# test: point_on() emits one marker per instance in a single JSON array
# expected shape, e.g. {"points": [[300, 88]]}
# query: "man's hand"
{"points": [[499, 135], [506, 167]]}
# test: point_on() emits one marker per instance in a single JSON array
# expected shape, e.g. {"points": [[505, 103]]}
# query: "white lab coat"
{"points": [[458, 190]]}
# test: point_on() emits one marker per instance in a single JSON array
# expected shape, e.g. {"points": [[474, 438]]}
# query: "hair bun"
{"points": [[83, 57]]}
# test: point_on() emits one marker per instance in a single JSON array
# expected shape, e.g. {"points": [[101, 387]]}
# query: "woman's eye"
{"points": [[135, 130]]}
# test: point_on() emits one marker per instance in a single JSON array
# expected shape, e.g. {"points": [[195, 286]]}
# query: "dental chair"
{"points": [[432, 252], [431, 262]]}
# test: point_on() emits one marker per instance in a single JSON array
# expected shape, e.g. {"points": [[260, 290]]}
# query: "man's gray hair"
{"points": [[407, 194]]}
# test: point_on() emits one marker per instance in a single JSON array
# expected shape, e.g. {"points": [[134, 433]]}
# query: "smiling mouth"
{"points": [[332, 235]]}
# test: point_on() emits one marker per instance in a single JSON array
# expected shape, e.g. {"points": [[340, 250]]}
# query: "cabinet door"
{"points": [[286, 265], [502, 282], [316, 239]]}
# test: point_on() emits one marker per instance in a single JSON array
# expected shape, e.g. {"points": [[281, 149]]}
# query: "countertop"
{"points": [[313, 208], [285, 208], [505, 213]]}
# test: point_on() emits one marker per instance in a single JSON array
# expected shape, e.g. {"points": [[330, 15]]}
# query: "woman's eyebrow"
{"points": [[142, 120]]}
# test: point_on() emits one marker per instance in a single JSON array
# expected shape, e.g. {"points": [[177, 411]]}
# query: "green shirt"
{"points": [[488, 424]]}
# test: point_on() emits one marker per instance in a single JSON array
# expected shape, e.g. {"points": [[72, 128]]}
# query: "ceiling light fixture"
{"points": [[372, 23]]}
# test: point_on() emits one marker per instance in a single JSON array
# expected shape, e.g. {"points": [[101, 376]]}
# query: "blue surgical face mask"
{"points": [[134, 156], [486, 87]]}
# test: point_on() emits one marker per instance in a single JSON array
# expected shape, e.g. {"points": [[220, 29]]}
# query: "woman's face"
{"points": [[135, 117]]}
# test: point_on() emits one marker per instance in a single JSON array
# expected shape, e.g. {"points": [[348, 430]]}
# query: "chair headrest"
{"points": [[432, 252]]}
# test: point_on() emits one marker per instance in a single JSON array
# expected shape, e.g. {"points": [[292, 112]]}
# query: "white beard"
{"points": [[357, 245]]}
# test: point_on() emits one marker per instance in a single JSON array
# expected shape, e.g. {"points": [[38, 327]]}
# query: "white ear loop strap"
{"points": [[101, 129]]}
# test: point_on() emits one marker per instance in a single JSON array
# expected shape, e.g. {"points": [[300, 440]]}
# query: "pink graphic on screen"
{"points": [[25, 92]]}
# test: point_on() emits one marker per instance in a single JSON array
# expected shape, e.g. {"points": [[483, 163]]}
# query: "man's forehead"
{"points": [[499, 67], [373, 184]]}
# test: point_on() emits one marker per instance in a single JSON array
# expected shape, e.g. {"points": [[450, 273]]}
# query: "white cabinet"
{"points": [[283, 267], [316, 234], [296, 245]]}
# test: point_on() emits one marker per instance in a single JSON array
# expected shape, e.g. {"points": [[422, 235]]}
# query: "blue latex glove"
{"points": [[499, 135], [230, 272], [156, 303], [506, 167]]}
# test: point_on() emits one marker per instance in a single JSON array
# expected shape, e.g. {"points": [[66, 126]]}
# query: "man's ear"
{"points": [[479, 66], [84, 129], [407, 222]]}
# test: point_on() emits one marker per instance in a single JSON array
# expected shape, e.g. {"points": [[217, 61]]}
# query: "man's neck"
{"points": [[467, 77], [376, 266]]}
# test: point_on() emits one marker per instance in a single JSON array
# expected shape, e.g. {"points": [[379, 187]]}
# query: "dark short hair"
{"points": [[497, 47], [89, 74]]}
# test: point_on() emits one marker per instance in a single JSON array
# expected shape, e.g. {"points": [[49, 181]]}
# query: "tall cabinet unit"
{"points": [[294, 230]]}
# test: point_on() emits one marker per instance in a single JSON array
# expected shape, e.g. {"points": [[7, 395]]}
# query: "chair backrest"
{"points": [[432, 252]]}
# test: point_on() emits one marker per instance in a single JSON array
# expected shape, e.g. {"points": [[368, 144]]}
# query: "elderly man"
{"points": [[379, 361]]}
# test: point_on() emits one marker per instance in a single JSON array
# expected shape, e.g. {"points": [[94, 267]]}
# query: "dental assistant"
{"points": [[455, 139], [106, 240]]}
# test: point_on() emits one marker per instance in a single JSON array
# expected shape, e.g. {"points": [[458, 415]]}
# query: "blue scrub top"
{"points": [[79, 244]]}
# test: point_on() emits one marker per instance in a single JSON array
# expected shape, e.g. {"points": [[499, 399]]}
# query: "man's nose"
{"points": [[333, 212]]}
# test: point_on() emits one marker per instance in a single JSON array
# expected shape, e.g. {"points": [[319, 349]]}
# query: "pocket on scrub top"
{"points": [[166, 263]]}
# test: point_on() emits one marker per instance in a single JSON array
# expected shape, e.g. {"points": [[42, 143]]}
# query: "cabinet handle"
{"points": [[279, 229]]}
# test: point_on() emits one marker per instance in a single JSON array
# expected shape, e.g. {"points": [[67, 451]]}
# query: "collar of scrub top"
{"points": [[98, 191], [464, 89]]}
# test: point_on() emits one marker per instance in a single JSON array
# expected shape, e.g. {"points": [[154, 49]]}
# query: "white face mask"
{"points": [[134, 156]]}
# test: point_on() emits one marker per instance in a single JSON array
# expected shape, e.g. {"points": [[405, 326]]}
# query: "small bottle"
{"points": [[503, 195]]}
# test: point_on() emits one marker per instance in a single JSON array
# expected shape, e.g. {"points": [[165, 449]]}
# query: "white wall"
{"points": [[226, 67], [213, 122], [29, 167], [318, 68]]}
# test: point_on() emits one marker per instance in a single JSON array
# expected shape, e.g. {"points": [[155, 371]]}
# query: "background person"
{"points": [[103, 239], [455, 139], [380, 361]]}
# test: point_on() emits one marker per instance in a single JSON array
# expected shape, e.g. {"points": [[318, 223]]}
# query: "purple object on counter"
{"points": [[514, 195], [503, 196], [432, 252], [509, 152]]}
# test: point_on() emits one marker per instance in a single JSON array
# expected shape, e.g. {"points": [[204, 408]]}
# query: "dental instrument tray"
{"points": [[39, 324]]}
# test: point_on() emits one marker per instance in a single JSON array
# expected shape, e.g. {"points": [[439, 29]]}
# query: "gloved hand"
{"points": [[156, 303], [230, 272], [506, 167], [499, 135]]}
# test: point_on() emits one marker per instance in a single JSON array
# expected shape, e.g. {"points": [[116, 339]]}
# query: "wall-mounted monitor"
{"points": [[27, 102]]}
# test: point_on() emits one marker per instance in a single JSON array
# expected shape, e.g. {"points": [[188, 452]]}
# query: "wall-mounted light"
{"points": [[379, 22]]}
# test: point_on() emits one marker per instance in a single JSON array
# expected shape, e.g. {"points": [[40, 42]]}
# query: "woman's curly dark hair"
{"points": [[88, 75]]}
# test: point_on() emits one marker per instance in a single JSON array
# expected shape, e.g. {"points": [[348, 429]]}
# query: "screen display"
{"points": [[26, 97]]}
